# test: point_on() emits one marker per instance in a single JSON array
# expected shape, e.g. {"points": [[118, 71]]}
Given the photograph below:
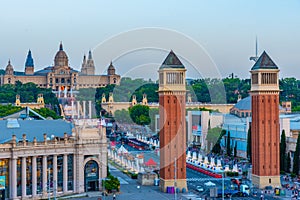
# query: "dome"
{"points": [[61, 58], [111, 69], [9, 68], [244, 104]]}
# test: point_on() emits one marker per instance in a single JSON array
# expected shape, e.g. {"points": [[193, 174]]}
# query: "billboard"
{"points": [[2, 182]]}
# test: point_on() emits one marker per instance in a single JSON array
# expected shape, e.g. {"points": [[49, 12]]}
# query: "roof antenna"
{"points": [[256, 47], [255, 58]]}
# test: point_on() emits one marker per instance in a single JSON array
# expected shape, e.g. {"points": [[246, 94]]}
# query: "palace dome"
{"points": [[61, 58]]}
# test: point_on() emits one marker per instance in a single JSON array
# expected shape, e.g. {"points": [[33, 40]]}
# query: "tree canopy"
{"points": [[140, 114], [28, 93], [213, 136]]}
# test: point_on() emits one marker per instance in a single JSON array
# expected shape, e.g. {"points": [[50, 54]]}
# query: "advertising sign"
{"points": [[2, 182]]}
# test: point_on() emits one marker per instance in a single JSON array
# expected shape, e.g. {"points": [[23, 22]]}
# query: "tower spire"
{"points": [[90, 55], [29, 60], [61, 46], [255, 58], [256, 47]]}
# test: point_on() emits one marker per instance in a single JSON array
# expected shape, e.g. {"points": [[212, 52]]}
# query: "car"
{"points": [[199, 188], [240, 194]]}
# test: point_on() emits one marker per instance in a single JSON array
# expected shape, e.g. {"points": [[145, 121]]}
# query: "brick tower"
{"points": [[265, 123], [172, 133]]}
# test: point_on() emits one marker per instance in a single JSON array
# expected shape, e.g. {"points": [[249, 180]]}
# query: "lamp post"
{"points": [[175, 171], [223, 174], [103, 187]]}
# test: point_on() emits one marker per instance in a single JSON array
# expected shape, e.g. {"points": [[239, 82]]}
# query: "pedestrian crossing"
{"points": [[123, 181], [205, 179]]}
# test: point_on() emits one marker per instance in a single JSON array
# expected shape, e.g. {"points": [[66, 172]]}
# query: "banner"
{"points": [[2, 182]]}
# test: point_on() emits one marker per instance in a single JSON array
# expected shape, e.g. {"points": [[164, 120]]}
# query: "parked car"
{"points": [[199, 188]]}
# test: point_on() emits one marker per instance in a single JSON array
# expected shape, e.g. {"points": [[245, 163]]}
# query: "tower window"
{"points": [[254, 78], [270, 180], [269, 78]]}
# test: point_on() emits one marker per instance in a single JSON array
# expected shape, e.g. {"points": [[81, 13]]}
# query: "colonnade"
{"points": [[45, 174]]}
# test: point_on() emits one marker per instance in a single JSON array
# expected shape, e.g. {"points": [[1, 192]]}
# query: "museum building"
{"points": [[60, 76], [38, 165]]}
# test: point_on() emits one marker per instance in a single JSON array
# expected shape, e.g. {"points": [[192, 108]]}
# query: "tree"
{"points": [[46, 112], [213, 138], [296, 157], [283, 151], [9, 109], [235, 150], [288, 163], [249, 156], [140, 114], [228, 144], [217, 147], [122, 116]]}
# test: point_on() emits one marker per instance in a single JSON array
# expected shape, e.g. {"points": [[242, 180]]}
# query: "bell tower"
{"points": [[265, 132], [29, 66], [172, 92]]}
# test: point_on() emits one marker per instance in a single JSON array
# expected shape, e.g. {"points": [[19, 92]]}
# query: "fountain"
{"points": [[235, 168], [194, 156]]}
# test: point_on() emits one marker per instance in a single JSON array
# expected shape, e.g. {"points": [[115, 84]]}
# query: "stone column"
{"points": [[23, 177], [54, 174], [78, 109], [79, 172], [45, 170], [72, 108], [34, 176], [13, 184], [84, 109], [65, 173], [90, 109]]}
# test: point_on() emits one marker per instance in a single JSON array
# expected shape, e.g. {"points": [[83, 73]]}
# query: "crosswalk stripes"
{"points": [[122, 181], [205, 179]]}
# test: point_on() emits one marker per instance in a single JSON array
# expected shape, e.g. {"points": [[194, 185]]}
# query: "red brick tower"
{"points": [[172, 92], [265, 123]]}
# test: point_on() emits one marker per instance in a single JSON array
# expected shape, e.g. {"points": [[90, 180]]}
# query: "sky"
{"points": [[212, 38]]}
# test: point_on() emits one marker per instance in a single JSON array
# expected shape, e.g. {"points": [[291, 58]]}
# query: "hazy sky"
{"points": [[137, 35]]}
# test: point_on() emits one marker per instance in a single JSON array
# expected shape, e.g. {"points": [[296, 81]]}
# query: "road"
{"points": [[131, 190]]}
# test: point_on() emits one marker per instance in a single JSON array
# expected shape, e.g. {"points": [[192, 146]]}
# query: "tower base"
{"points": [[180, 184], [263, 181]]}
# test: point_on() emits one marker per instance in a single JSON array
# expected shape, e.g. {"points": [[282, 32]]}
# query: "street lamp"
{"points": [[223, 174], [175, 171], [103, 187]]}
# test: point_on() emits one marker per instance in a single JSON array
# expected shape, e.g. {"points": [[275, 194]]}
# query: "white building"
{"points": [[65, 160]]}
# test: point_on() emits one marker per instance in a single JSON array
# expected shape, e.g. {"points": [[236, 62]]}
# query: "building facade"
{"points": [[60, 77], [265, 129], [172, 99], [34, 169]]}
